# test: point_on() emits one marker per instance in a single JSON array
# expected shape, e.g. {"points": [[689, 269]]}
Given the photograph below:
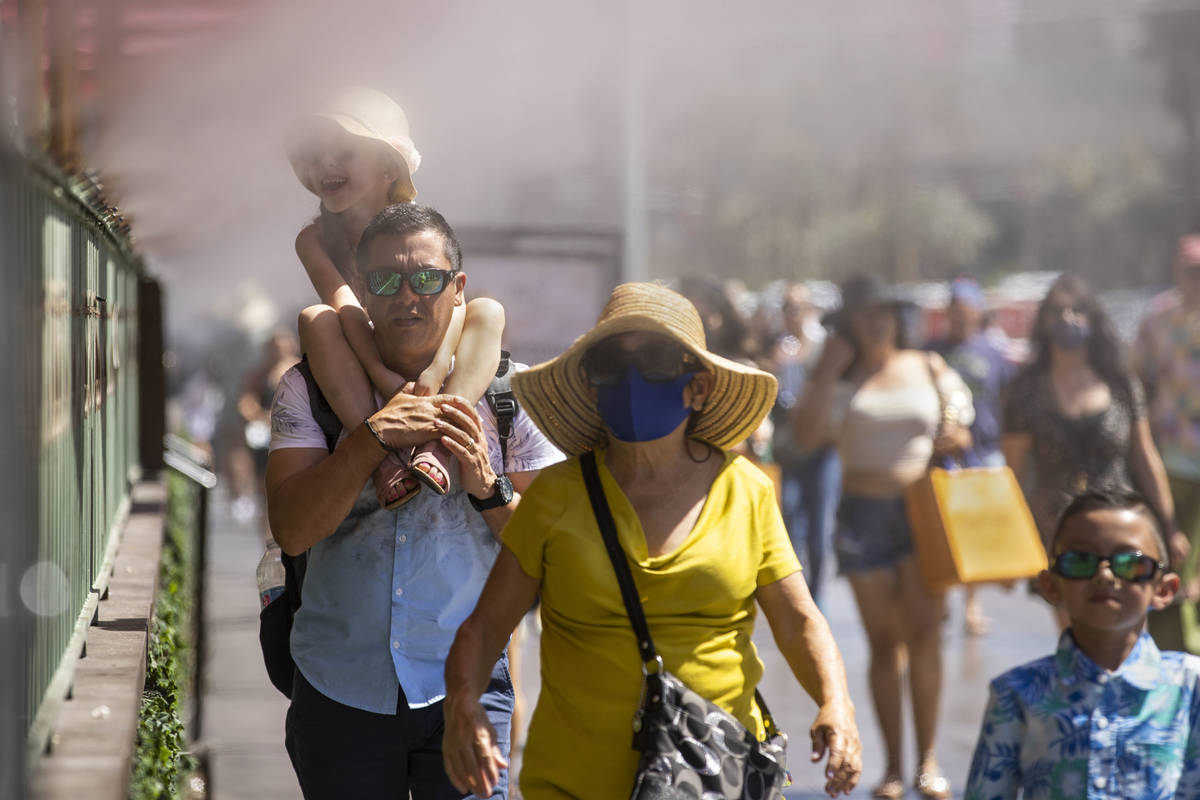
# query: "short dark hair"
{"points": [[1120, 499], [403, 219]]}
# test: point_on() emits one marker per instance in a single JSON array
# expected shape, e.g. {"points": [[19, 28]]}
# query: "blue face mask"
{"points": [[1070, 335], [636, 410]]}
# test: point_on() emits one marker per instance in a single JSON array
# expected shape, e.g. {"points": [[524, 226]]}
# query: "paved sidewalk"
{"points": [[1022, 629], [243, 712]]}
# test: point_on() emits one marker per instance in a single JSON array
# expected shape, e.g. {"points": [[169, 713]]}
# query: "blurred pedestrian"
{"points": [[886, 406], [811, 478], [971, 353], [1108, 716], [641, 398], [279, 354], [1168, 349], [356, 155], [724, 328], [1076, 416]]}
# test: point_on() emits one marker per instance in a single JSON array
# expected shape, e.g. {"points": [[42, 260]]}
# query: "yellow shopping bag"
{"points": [[972, 526]]}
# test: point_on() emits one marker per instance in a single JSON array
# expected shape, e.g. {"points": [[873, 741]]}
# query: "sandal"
{"points": [[428, 466], [393, 478], [975, 622], [932, 786], [890, 788]]}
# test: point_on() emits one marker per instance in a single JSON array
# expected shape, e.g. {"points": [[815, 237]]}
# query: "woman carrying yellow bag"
{"points": [[876, 400]]}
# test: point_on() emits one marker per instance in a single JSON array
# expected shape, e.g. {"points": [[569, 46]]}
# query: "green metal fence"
{"points": [[75, 364]]}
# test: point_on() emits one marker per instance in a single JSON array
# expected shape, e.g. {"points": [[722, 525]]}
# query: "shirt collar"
{"points": [[1140, 669]]}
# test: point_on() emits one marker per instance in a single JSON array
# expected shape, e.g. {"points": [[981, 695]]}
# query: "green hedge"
{"points": [[161, 760]]}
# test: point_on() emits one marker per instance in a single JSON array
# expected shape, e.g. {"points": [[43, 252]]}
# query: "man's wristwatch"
{"points": [[502, 495]]}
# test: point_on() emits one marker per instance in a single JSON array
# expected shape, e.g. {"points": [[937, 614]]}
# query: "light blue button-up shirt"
{"points": [[1063, 728], [386, 592]]}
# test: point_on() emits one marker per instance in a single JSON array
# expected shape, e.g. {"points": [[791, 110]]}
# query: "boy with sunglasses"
{"points": [[1108, 715]]}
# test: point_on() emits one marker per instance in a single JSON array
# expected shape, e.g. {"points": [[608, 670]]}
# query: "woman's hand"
{"points": [[1179, 547], [469, 750], [462, 434], [953, 440], [835, 732], [837, 354]]}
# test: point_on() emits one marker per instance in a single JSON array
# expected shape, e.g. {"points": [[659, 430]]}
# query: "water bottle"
{"points": [[271, 575]]}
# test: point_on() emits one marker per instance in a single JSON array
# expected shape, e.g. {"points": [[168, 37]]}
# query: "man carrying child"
{"points": [[386, 589]]}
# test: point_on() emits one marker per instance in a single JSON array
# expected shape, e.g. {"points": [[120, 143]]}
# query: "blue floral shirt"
{"points": [[1062, 727]]}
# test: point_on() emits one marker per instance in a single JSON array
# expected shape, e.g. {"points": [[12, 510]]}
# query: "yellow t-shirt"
{"points": [[699, 604]]}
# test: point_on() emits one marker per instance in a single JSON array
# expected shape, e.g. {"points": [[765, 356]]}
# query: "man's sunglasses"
{"points": [[658, 361], [1132, 565], [425, 282]]}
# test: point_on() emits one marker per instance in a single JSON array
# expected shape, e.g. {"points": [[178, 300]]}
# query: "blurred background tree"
{"points": [[1173, 44]]}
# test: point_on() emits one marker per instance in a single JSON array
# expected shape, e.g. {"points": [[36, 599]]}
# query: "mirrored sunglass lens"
{"points": [[1133, 566], [383, 283], [1077, 565], [427, 281]]}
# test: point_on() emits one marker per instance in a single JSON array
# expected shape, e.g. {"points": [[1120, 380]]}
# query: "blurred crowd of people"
{"points": [[868, 400]]}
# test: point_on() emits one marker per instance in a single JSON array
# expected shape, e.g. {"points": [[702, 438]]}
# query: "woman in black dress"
{"points": [[1076, 414]]}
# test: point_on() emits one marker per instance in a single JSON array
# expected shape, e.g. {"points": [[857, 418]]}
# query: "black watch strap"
{"points": [[501, 496]]}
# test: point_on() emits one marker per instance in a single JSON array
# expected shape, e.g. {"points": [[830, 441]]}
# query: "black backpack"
{"points": [[275, 621]]}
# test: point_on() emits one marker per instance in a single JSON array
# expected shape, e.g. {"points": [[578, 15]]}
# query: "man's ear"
{"points": [[1048, 585], [460, 284], [1164, 591]]}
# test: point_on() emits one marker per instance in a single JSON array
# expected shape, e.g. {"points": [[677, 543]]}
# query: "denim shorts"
{"points": [[871, 534]]}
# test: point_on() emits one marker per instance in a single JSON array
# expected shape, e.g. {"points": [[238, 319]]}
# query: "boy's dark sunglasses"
{"points": [[1132, 565], [607, 363], [386, 282]]}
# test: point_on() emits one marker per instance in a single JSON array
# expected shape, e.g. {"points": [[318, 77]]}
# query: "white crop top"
{"points": [[893, 429]]}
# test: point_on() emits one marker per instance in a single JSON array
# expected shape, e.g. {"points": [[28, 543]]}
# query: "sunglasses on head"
{"points": [[425, 282], [658, 361], [1131, 565]]}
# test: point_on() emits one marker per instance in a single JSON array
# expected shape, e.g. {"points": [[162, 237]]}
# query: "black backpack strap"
{"points": [[503, 403], [331, 426]]}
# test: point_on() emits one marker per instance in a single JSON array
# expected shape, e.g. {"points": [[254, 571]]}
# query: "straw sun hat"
{"points": [[556, 393], [369, 114]]}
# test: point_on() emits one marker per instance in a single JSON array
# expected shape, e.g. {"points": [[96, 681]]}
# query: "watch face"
{"points": [[501, 496]]}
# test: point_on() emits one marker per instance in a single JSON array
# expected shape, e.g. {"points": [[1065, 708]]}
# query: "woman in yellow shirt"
{"points": [[703, 536]]}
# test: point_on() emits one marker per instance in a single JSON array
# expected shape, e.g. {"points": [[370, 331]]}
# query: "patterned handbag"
{"points": [[690, 747]]}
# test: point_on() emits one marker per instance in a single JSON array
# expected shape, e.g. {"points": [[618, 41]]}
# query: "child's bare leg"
{"points": [[348, 391], [475, 361]]}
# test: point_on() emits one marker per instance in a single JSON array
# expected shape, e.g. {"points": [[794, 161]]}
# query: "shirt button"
{"points": [[403, 538], [1101, 723], [1100, 783], [399, 592], [1103, 678], [395, 645]]}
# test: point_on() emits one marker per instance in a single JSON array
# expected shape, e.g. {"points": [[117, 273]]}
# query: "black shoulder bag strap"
{"points": [[633, 606], [503, 403]]}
